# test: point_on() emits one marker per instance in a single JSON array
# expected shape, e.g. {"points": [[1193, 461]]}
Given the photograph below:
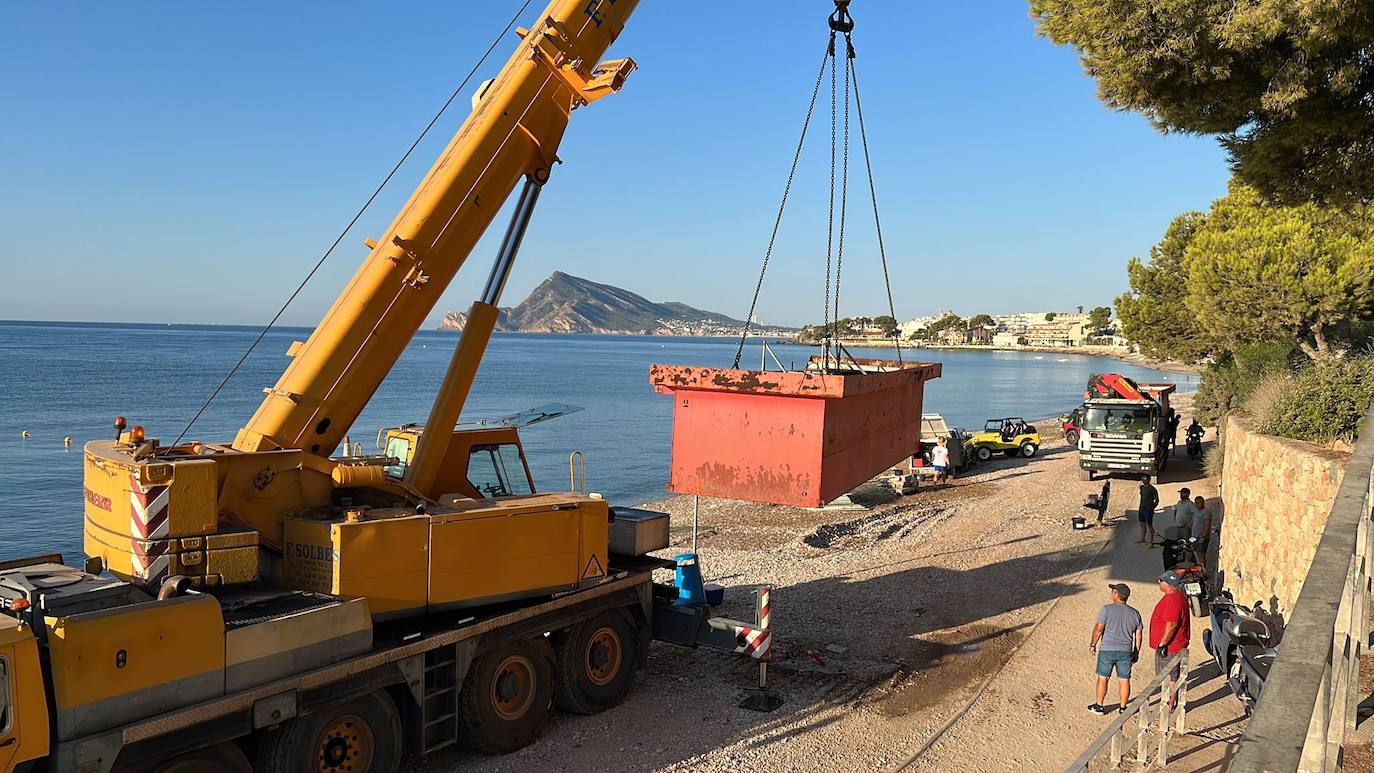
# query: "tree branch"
{"points": [[1319, 335]]}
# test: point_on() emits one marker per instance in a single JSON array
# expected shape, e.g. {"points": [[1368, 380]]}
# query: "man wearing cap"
{"points": [[1116, 642], [1169, 627], [1183, 513]]}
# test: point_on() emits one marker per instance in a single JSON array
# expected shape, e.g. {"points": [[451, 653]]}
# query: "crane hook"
{"points": [[840, 20]]}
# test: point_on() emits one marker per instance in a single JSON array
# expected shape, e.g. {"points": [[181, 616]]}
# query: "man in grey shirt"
{"points": [[1201, 529], [1116, 642], [1183, 513]]}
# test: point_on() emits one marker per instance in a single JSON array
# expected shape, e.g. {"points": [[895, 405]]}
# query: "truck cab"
{"points": [[23, 699], [1124, 435]]}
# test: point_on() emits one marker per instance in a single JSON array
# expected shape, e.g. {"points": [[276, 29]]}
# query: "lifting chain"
{"points": [[840, 23]]}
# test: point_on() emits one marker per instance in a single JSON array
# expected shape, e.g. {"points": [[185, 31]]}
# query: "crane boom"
{"points": [[225, 514], [513, 132]]}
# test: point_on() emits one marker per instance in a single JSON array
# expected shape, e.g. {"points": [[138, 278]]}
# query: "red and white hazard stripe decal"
{"points": [[148, 527], [753, 642]]}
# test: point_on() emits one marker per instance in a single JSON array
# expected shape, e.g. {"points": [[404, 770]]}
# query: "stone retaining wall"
{"points": [[1277, 494]]}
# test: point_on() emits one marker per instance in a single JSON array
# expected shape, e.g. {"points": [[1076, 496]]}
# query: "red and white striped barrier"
{"points": [[757, 642], [149, 514]]}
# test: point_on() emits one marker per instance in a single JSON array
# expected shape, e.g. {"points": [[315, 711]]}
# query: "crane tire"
{"points": [[507, 697], [362, 735], [219, 758], [595, 662]]}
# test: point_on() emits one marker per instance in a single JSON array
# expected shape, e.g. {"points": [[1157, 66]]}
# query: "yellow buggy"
{"points": [[1012, 436]]}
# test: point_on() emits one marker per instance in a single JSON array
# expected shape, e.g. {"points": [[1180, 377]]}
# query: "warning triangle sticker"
{"points": [[593, 568]]}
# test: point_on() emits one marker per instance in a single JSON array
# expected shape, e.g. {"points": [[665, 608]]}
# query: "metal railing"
{"points": [[1308, 703], [1168, 722]]}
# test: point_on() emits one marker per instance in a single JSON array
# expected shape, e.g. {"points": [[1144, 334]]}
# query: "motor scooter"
{"points": [[1239, 644]]}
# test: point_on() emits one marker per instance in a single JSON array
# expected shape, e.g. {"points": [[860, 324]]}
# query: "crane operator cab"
{"points": [[479, 463]]}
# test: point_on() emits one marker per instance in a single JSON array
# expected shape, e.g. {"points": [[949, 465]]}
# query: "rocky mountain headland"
{"points": [[563, 303]]}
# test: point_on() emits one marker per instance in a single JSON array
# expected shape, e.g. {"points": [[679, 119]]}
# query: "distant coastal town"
{"points": [[1097, 328]]}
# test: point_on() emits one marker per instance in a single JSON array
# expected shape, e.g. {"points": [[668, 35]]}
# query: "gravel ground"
{"points": [[886, 622]]}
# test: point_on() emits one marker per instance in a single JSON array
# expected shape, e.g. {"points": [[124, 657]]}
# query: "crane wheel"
{"points": [[507, 697], [358, 736], [596, 661], [220, 758], [1071, 438]]}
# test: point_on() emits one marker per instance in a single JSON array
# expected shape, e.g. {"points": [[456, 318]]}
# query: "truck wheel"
{"points": [[983, 453], [220, 758], [507, 697], [360, 736], [596, 662], [1028, 449], [1085, 474]]}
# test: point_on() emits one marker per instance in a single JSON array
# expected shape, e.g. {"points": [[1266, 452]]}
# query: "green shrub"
{"points": [[1327, 401], [1215, 459], [1229, 382], [1270, 393]]}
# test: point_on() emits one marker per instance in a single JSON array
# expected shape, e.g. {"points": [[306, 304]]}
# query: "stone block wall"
{"points": [[1277, 494]]}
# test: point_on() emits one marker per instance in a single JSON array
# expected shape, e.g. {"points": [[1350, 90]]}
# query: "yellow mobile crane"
{"points": [[268, 599], [413, 535]]}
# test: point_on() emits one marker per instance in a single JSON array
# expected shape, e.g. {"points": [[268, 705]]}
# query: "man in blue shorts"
{"points": [[1149, 500], [1116, 642], [939, 459]]}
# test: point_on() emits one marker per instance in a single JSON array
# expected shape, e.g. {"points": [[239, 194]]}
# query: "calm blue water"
{"points": [[62, 379]]}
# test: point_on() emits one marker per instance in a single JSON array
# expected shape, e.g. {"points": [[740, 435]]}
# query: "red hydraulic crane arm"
{"points": [[513, 132]]}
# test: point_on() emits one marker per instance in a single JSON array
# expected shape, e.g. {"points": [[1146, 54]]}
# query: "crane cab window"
{"points": [[4, 697], [498, 471], [397, 448]]}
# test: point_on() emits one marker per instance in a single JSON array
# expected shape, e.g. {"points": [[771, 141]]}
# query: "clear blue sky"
{"points": [[187, 162]]}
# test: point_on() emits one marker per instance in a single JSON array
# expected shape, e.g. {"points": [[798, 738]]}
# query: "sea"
{"points": [[70, 380]]}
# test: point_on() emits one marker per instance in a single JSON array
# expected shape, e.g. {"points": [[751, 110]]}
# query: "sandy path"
{"points": [[887, 623], [1033, 714]]}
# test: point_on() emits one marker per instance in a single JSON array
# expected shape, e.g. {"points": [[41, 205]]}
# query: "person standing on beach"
{"points": [[1169, 628], [1103, 501], [939, 459], [1116, 642], [1183, 513], [1171, 429], [1149, 500], [1201, 530]]}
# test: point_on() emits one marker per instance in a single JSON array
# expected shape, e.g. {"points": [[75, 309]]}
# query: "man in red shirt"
{"points": [[1169, 627]]}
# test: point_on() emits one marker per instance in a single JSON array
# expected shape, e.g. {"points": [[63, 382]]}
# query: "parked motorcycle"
{"points": [[1177, 553], [1239, 643]]}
